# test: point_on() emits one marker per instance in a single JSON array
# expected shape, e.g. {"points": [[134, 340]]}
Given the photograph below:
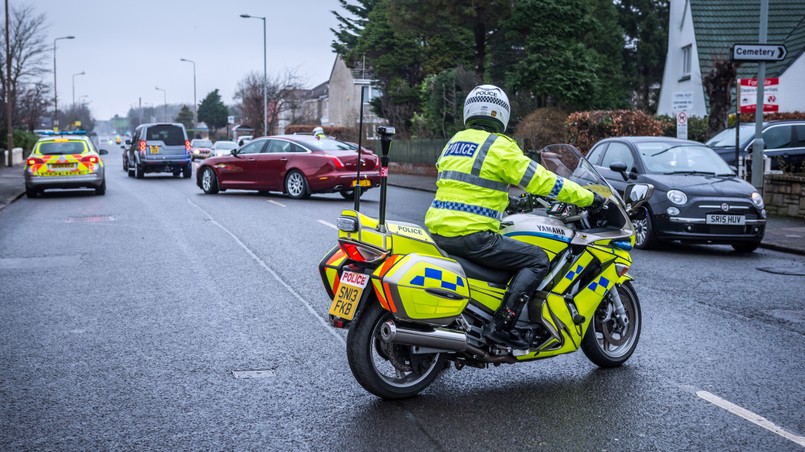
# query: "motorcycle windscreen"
{"points": [[426, 288]]}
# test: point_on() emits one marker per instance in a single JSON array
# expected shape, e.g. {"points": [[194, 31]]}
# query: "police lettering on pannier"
{"points": [[461, 149]]}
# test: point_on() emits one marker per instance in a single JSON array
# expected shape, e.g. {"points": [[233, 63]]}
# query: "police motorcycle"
{"points": [[411, 308]]}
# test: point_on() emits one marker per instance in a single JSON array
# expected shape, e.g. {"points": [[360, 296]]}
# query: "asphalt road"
{"points": [[156, 317]]}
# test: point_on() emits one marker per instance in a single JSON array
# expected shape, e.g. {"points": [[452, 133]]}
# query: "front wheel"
{"points": [[209, 183], [388, 371], [608, 342], [645, 239]]}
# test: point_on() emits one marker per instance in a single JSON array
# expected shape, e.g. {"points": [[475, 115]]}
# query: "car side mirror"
{"points": [[635, 195], [103, 151], [128, 141], [620, 167]]}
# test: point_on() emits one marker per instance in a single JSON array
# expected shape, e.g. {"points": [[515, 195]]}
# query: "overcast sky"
{"points": [[128, 47]]}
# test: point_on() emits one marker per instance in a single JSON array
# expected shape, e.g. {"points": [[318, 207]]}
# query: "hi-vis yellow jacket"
{"points": [[476, 169]]}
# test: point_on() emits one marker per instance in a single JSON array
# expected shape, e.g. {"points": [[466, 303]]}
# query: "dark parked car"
{"points": [[159, 148], [297, 165], [784, 143], [698, 198]]}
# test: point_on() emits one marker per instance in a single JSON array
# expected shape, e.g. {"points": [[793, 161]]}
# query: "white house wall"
{"points": [[678, 37], [792, 87]]}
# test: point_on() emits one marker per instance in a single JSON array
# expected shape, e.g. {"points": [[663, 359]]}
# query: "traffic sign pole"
{"points": [[757, 150]]}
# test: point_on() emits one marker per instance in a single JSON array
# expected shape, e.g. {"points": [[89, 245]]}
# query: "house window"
{"points": [[686, 51], [370, 92]]}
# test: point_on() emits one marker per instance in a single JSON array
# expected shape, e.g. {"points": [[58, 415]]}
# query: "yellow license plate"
{"points": [[68, 166], [363, 183], [154, 149], [346, 299]]}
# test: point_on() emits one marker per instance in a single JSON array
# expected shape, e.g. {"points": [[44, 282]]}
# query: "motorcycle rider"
{"points": [[476, 169]]}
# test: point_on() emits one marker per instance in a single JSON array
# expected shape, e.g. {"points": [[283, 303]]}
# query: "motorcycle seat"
{"points": [[476, 271]]}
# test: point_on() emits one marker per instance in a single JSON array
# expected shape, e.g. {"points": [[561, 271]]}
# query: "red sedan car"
{"points": [[297, 165]]}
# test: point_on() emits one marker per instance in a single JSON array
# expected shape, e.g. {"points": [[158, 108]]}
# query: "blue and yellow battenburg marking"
{"points": [[434, 275], [573, 273], [601, 283]]}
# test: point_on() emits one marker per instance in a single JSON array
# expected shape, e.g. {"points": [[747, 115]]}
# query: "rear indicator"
{"points": [[186, 145], [141, 145], [34, 161]]}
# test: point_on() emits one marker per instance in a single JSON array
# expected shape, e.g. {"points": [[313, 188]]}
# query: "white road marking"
{"points": [[276, 203], [751, 417], [274, 274], [328, 224]]}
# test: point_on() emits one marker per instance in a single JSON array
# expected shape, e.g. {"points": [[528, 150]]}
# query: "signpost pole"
{"points": [[738, 125], [757, 150]]}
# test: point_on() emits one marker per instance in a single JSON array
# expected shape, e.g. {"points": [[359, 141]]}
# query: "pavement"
{"points": [[785, 234]]}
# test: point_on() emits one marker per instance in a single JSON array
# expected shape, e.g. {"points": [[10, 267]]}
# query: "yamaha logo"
{"points": [[725, 207]]}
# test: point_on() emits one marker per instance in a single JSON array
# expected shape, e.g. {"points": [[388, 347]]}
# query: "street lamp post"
{"points": [[195, 105], [164, 104], [79, 73], [55, 90], [265, 79]]}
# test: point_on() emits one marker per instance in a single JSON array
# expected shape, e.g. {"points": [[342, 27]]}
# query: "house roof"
{"points": [[719, 24]]}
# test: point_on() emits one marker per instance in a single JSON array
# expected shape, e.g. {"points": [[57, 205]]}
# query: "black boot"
{"points": [[500, 330]]}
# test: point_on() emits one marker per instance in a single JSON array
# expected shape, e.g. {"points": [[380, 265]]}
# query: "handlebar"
{"points": [[527, 202]]}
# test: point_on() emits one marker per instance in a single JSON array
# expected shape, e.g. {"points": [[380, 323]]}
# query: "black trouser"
{"points": [[501, 253]]}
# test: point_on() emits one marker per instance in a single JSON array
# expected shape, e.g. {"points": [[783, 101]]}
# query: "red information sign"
{"points": [[749, 94]]}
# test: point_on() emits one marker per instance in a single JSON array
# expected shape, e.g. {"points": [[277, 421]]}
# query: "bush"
{"points": [[22, 139], [750, 117], [542, 127], [585, 128]]}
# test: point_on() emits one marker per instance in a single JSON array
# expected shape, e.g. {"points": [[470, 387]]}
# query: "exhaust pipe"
{"points": [[439, 338]]}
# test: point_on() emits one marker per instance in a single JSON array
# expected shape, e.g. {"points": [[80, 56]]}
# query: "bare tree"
{"points": [[78, 113], [32, 105], [280, 96], [27, 32]]}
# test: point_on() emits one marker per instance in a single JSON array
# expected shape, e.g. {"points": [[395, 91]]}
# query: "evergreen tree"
{"points": [[185, 117], [213, 112]]}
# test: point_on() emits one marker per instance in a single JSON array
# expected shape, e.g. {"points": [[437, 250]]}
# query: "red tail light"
{"points": [[141, 145], [89, 159], [34, 161], [361, 253], [186, 145], [337, 162]]}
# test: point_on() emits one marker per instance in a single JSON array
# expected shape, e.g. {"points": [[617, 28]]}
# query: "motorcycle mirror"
{"points": [[636, 195]]}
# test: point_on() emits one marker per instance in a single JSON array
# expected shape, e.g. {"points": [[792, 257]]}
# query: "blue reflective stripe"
{"points": [[474, 180], [557, 187], [469, 208]]}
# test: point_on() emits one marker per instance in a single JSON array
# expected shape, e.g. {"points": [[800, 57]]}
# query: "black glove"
{"points": [[514, 204], [598, 202]]}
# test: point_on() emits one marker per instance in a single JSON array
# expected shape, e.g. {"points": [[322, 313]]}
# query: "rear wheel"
{"points": [[31, 192], [349, 193], [296, 185], [139, 172], [387, 370], [608, 342], [101, 189], [644, 231], [209, 182], [187, 171]]}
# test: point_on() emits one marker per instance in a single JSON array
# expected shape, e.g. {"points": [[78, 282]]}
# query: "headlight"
{"points": [[757, 200], [677, 197]]}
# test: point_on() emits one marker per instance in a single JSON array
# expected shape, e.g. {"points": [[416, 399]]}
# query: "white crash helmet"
{"points": [[318, 130], [487, 105]]}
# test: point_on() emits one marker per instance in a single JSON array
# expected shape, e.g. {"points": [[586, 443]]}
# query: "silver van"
{"points": [[159, 148]]}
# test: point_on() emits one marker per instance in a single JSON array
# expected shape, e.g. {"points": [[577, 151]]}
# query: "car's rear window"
{"points": [[202, 143], [61, 147], [170, 135]]}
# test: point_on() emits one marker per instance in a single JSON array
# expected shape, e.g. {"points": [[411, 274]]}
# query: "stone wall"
{"points": [[784, 194]]}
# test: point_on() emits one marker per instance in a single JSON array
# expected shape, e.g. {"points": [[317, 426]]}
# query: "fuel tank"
{"points": [[547, 233]]}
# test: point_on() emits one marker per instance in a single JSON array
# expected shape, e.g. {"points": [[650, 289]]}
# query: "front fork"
{"points": [[620, 312]]}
